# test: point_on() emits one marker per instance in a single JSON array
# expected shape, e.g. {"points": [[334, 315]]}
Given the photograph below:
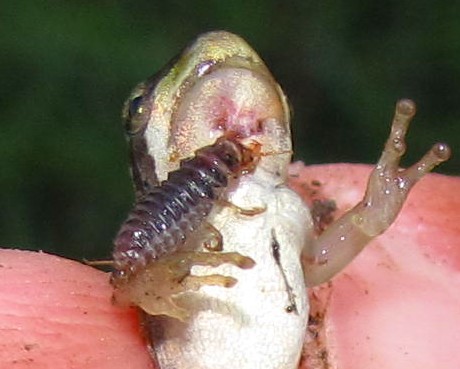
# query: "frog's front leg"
{"points": [[387, 190], [156, 287]]}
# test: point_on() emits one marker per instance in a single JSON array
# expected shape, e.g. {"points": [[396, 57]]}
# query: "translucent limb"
{"points": [[155, 288], [387, 190]]}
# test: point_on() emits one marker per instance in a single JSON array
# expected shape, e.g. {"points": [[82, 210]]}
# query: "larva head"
{"points": [[218, 84], [237, 158]]}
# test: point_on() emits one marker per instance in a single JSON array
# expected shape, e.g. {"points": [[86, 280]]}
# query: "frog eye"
{"points": [[135, 114], [135, 106]]}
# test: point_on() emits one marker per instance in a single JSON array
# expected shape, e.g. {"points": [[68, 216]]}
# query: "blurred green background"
{"points": [[66, 68]]}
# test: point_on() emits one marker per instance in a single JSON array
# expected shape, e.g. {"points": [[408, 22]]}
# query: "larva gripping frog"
{"points": [[218, 250]]}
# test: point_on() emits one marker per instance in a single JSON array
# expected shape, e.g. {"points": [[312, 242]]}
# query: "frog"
{"points": [[244, 302]]}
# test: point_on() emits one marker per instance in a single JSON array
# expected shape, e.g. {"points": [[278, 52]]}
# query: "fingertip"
{"points": [[58, 313]]}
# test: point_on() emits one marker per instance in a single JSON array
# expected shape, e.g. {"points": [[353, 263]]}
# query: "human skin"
{"points": [[396, 306]]}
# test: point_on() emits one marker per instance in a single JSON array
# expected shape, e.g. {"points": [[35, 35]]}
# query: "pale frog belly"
{"points": [[261, 321]]}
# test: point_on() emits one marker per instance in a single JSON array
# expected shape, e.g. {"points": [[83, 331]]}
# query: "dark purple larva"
{"points": [[161, 220]]}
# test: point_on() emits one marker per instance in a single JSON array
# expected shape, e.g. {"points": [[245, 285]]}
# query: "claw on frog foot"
{"points": [[156, 288]]}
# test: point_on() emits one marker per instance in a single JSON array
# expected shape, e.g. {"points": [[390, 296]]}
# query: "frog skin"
{"points": [[219, 84]]}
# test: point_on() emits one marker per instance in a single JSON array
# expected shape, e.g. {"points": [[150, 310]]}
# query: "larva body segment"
{"points": [[161, 221]]}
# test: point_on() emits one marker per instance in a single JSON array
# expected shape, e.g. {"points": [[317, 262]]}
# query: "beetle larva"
{"points": [[161, 220]]}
